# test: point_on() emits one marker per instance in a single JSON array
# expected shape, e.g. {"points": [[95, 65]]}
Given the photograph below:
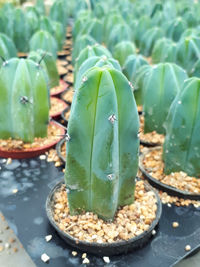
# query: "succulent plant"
{"points": [[141, 75], [122, 50], [32, 18], [148, 40], [45, 41], [89, 51], [175, 28], [96, 61], [164, 51], [48, 64], [58, 12], [111, 19], [118, 33], [79, 23], [81, 42], [188, 52], [182, 142], [24, 102], [7, 48], [144, 23], [102, 147], [163, 83]]}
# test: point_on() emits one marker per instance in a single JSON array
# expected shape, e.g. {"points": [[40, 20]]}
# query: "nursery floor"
{"points": [[24, 186]]}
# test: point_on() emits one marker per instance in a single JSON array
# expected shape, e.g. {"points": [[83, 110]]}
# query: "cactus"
{"points": [[175, 28], [95, 62], [24, 102], [94, 28], [45, 41], [102, 147], [89, 51], [48, 64], [149, 39], [163, 83], [7, 48], [182, 142], [80, 21], [144, 23], [118, 33], [80, 44], [188, 52], [164, 51], [141, 75], [58, 12], [122, 50], [32, 18]]}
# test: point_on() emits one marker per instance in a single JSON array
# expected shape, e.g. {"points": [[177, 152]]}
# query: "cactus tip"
{"points": [[67, 137], [110, 176], [112, 118], [84, 79]]}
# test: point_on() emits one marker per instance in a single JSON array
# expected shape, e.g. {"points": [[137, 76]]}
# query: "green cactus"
{"points": [[89, 51], [79, 23], [182, 142], [32, 18], [96, 61], [164, 51], [163, 83], [94, 28], [48, 64], [80, 44], [45, 41], [24, 102], [144, 23], [118, 33], [141, 75], [149, 39], [175, 28], [122, 50], [7, 48], [58, 12], [188, 52], [102, 147]]}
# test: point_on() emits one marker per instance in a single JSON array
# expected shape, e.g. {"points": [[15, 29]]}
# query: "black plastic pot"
{"points": [[68, 102], [170, 190], [149, 144], [121, 247], [63, 115], [58, 149]]}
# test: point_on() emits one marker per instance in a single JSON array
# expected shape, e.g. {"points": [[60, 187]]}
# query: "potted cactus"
{"points": [[101, 165], [7, 48], [122, 50], [178, 160], [24, 125]]}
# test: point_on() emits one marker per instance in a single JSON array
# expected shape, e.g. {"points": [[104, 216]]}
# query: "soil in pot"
{"points": [[58, 89], [69, 58], [70, 68], [57, 106], [152, 138], [139, 108], [62, 70], [153, 164], [68, 95], [130, 221], [19, 149], [69, 78]]}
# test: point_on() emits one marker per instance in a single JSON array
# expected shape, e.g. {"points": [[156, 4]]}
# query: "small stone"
{"points": [[48, 238], [1, 248], [84, 255], [15, 191], [86, 261], [187, 248], [175, 224], [153, 232], [45, 257], [42, 157], [169, 205], [9, 161], [7, 245], [15, 250], [74, 253], [106, 259]]}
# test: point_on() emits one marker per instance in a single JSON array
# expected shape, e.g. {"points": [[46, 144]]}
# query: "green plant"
{"points": [[148, 40], [24, 102], [94, 28], [48, 64], [95, 61], [45, 41], [175, 28], [161, 87], [7, 48], [89, 51], [182, 143], [58, 12], [102, 147], [164, 51], [122, 50]]}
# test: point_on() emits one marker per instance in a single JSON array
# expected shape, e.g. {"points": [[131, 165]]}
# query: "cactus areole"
{"points": [[24, 102], [102, 145]]}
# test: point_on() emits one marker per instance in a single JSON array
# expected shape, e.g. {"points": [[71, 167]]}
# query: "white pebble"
{"points": [[188, 248], [42, 157], [48, 238], [106, 259], [153, 232], [86, 261], [15, 191], [45, 257], [7, 245], [84, 255], [74, 253]]}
